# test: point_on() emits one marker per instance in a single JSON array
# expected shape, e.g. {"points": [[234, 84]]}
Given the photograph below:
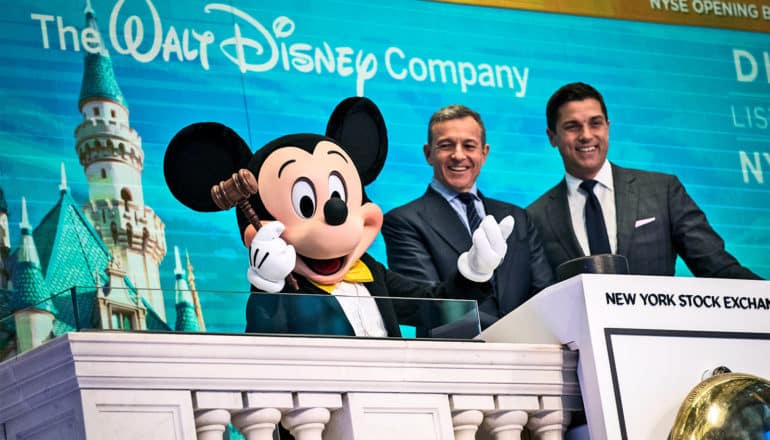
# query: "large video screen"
{"points": [[685, 100]]}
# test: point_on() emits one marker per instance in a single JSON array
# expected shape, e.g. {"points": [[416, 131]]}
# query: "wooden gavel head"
{"points": [[234, 190]]}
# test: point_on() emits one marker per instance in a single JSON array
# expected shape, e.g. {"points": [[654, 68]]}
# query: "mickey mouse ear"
{"points": [[358, 126], [200, 156]]}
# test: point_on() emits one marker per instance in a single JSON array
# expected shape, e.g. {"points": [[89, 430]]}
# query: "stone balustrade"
{"points": [[192, 386]]}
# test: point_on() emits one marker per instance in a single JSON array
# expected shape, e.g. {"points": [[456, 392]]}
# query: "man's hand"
{"points": [[270, 258], [488, 249]]}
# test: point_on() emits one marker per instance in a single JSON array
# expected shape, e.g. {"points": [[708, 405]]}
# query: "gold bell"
{"points": [[725, 406]]}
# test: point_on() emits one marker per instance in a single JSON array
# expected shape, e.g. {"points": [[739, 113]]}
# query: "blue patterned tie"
{"points": [[471, 213], [598, 242]]}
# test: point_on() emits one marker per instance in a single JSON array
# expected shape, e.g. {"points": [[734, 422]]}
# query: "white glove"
{"points": [[270, 258], [488, 249]]}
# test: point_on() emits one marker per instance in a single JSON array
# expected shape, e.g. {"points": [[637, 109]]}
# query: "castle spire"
{"points": [[25, 226], [33, 309], [28, 282], [194, 291], [186, 319], [63, 185], [98, 77], [178, 271]]}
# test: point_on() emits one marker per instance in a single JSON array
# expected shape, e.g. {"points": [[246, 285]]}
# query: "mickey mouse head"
{"points": [[310, 183]]}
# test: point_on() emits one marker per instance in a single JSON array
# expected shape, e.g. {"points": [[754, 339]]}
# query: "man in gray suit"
{"points": [[600, 207], [425, 237]]}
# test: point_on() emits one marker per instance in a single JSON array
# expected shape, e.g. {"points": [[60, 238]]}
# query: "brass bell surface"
{"points": [[726, 406]]}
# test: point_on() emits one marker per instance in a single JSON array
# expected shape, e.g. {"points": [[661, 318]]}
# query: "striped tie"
{"points": [[470, 210]]}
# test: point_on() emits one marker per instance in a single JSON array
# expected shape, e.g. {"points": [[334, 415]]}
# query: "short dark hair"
{"points": [[576, 91], [455, 111]]}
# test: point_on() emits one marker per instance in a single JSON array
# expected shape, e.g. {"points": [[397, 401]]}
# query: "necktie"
{"points": [[598, 242], [474, 220]]}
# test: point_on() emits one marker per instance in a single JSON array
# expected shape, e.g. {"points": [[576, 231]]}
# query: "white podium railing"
{"points": [[116, 385]]}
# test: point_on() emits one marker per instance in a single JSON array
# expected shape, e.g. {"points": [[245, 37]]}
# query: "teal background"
{"points": [[669, 91]]}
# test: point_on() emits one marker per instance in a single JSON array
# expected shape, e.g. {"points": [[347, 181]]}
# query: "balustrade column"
{"points": [[212, 412], [507, 420], [310, 414], [210, 424], [262, 412], [549, 424], [468, 413]]}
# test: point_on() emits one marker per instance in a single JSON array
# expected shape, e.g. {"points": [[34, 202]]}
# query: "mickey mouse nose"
{"points": [[335, 211]]}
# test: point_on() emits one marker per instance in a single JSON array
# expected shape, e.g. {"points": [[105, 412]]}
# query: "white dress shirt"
{"points": [[605, 192], [450, 196], [360, 308]]}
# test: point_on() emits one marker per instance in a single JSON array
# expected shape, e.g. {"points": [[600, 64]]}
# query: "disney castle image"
{"points": [[93, 265]]}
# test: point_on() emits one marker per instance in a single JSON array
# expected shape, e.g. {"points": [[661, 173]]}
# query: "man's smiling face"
{"points": [[456, 152], [582, 135]]}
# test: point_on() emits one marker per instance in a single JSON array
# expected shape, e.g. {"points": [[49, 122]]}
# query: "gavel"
{"points": [[236, 191]]}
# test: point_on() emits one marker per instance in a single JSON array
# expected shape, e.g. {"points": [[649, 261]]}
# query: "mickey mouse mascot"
{"points": [[317, 223]]}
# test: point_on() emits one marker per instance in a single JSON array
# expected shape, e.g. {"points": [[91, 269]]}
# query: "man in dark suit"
{"points": [[425, 237], [647, 217]]}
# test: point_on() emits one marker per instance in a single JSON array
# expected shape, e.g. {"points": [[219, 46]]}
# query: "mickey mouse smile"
{"points": [[324, 267]]}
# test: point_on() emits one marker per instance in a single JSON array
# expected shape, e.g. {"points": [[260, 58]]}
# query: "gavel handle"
{"points": [[248, 211]]}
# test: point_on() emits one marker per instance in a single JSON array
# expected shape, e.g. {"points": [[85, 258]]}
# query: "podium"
{"points": [[644, 342]]}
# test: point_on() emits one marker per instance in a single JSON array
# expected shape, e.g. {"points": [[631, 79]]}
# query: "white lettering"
{"points": [[44, 19], [253, 47], [239, 43], [92, 41], [740, 74], [133, 34], [389, 65], [463, 73], [755, 167], [63, 32], [366, 66], [344, 61], [522, 81]]}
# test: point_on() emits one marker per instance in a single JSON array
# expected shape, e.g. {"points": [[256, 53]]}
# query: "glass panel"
{"points": [[235, 313]]}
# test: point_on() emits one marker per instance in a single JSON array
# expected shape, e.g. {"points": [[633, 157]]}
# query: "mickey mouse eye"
{"points": [[337, 187], [303, 198]]}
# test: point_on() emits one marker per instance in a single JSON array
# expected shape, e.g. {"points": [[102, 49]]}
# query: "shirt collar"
{"points": [[604, 177], [449, 193]]}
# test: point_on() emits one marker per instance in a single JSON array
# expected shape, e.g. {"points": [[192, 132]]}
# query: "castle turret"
{"points": [[118, 308], [111, 154], [5, 243], [33, 310], [186, 318]]}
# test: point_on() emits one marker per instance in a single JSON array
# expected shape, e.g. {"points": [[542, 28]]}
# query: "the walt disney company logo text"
{"points": [[253, 47]]}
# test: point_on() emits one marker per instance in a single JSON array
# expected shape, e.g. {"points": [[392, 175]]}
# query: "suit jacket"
{"points": [[321, 314], [425, 237], [656, 221]]}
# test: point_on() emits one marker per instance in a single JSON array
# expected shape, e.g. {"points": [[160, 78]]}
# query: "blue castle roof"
{"points": [[98, 77], [30, 288], [186, 319], [70, 252]]}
